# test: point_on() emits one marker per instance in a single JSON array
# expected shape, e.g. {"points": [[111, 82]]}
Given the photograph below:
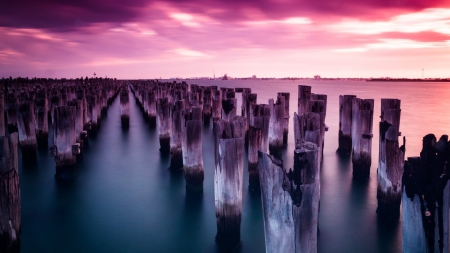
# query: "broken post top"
{"points": [[194, 113], [228, 105], [235, 128]]}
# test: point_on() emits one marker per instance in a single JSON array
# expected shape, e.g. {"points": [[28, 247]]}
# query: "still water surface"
{"points": [[123, 198]]}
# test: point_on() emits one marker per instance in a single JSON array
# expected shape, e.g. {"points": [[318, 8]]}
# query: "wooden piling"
{"points": [[65, 147], [151, 104], [2, 115], [10, 205], [286, 96], [12, 104], [176, 135], [191, 126], [81, 135], [362, 134], [124, 107], [216, 105], [41, 116], [345, 124], [229, 108], [391, 160], [228, 176], [304, 96], [27, 131], [276, 126], [163, 107], [258, 139], [207, 106], [291, 201]]}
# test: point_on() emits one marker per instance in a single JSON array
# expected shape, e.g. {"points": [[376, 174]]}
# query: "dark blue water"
{"points": [[122, 197]]}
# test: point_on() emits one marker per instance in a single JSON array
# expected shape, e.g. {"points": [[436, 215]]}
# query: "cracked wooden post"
{"points": [[92, 113], [276, 126], [81, 135], [413, 233], [286, 96], [291, 201], [10, 205], [258, 139], [216, 105], [345, 124], [229, 108], [390, 163], [124, 107], [229, 159], [27, 131], [151, 105], [2, 115], [81, 95], [163, 107], [362, 134], [41, 116], [176, 135], [320, 107], [65, 147], [55, 101], [207, 105], [304, 96], [12, 104], [191, 126], [307, 128]]}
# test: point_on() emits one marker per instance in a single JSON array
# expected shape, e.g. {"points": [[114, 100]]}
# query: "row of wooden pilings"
{"points": [[72, 107], [180, 110]]}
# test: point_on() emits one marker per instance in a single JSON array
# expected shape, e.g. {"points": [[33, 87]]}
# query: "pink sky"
{"points": [[192, 38]]}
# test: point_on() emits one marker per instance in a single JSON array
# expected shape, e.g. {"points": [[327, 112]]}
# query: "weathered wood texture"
{"points": [[176, 135], [258, 139], [217, 105], [10, 205], [229, 108], [304, 96], [41, 117], [391, 160], [27, 131], [192, 150], [291, 201], [362, 134], [12, 104], [276, 126], [2, 115], [65, 137], [228, 179], [151, 105], [286, 96], [163, 107], [345, 124], [124, 107]]}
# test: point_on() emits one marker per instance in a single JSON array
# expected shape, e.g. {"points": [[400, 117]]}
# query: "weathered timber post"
{"points": [[27, 131], [2, 115], [276, 126], [229, 108], [124, 107], [307, 128], [41, 116], [320, 107], [207, 106], [362, 134], [345, 124], [286, 96], [413, 233], [391, 159], [92, 113], [304, 96], [10, 205], [258, 139], [228, 176], [176, 135], [82, 97], [12, 104], [81, 135], [291, 201], [55, 101], [151, 104], [191, 126], [216, 104], [163, 107], [65, 147]]}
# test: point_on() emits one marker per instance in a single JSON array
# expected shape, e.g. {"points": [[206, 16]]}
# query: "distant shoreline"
{"points": [[408, 80]]}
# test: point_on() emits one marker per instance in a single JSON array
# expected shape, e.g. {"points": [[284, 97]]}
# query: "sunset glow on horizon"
{"points": [[192, 38]]}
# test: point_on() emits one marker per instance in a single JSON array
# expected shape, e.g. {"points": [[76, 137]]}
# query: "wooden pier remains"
{"points": [[163, 107], [10, 205], [258, 139], [391, 160], [27, 131], [176, 135], [229, 158], [276, 126], [345, 124], [124, 107], [362, 135], [192, 150]]}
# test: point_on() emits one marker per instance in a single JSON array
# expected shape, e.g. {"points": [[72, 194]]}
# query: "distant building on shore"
{"points": [[225, 77], [254, 77], [317, 77]]}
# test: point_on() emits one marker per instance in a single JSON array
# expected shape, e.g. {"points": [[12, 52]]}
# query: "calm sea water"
{"points": [[122, 197]]}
